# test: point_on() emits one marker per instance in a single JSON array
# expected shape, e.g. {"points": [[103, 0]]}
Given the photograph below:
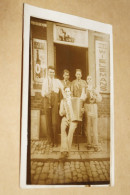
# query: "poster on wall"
{"points": [[58, 150], [39, 49], [102, 66]]}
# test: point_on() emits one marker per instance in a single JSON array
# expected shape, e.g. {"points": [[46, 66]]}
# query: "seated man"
{"points": [[67, 121], [91, 115]]}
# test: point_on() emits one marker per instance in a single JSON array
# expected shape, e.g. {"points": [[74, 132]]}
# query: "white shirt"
{"points": [[56, 86]]}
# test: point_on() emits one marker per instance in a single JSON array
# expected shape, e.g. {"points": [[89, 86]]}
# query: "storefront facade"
{"points": [[68, 47]]}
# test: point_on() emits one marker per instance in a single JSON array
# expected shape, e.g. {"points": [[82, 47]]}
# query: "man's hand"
{"points": [[63, 113], [83, 97]]}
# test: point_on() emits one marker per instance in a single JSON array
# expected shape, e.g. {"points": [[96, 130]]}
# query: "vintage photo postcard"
{"points": [[67, 122]]}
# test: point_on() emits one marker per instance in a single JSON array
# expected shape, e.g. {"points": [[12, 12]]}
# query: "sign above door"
{"points": [[70, 36]]}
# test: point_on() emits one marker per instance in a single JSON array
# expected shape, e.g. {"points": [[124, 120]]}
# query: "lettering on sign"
{"points": [[70, 36], [39, 59], [102, 66]]}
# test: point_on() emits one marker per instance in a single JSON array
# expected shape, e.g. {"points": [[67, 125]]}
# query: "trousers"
{"points": [[66, 140], [91, 122], [51, 115]]}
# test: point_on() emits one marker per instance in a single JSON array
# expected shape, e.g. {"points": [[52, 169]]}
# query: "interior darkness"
{"points": [[71, 58]]}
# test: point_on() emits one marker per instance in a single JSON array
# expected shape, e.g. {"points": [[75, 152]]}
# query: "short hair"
{"points": [[66, 71], [66, 87], [51, 67], [78, 70]]}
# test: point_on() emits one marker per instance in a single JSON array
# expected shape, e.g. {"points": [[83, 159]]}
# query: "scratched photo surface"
{"points": [[69, 105]]}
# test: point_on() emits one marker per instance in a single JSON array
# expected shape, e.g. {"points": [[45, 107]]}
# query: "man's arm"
{"points": [[84, 91], [61, 87]]}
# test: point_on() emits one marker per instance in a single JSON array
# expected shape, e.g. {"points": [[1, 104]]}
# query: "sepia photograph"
{"points": [[67, 121]]}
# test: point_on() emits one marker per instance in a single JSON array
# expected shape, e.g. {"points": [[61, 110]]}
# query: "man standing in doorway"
{"points": [[65, 82], [50, 92], [78, 86], [78, 89], [66, 76]]}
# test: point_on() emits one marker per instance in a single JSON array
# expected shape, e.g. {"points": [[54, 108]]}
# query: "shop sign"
{"points": [[39, 59], [70, 36], [102, 66]]}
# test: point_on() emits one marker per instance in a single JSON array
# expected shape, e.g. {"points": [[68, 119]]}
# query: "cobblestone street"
{"points": [[81, 167], [70, 172]]}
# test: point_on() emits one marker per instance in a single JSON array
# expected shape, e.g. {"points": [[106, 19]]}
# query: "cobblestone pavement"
{"points": [[70, 172], [41, 150], [82, 167]]}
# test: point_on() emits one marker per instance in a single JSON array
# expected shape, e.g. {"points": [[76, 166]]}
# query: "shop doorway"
{"points": [[71, 58]]}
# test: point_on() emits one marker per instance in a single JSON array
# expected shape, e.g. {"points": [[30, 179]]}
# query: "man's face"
{"points": [[51, 73], [78, 75], [89, 80], [67, 92], [66, 76]]}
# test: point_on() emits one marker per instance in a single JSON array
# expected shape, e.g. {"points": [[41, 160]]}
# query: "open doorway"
{"points": [[71, 58]]}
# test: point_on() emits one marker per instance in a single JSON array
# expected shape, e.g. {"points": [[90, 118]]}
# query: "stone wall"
{"points": [[104, 106], [36, 102]]}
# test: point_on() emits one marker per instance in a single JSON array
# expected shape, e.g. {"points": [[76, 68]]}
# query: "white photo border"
{"points": [[31, 11]]}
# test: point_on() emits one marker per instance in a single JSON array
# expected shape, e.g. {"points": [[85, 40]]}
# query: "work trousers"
{"points": [[51, 114], [66, 140], [91, 123]]}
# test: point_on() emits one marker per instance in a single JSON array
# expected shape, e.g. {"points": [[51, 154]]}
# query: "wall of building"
{"points": [[104, 105], [37, 31]]}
